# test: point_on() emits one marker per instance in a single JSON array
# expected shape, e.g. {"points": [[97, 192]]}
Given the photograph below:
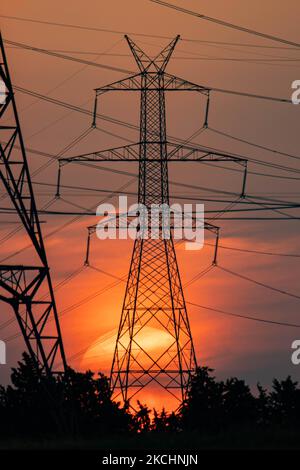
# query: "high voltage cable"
{"points": [[95, 64], [265, 207], [110, 335], [227, 24], [66, 224], [273, 59], [7, 210], [85, 212], [261, 284], [48, 235], [262, 218], [72, 107], [248, 279], [78, 304], [269, 205], [261, 147], [257, 252], [82, 190], [123, 279], [155, 36], [132, 126], [101, 340], [66, 57], [66, 148], [250, 159], [89, 298], [245, 317], [269, 60], [192, 56], [97, 293], [275, 210], [185, 185], [67, 79], [81, 214]]}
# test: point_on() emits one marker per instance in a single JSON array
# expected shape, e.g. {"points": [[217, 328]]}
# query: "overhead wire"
{"points": [[258, 283], [227, 24], [244, 94], [135, 33]]}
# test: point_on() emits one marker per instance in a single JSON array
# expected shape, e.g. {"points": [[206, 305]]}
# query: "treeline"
{"points": [[79, 405]]}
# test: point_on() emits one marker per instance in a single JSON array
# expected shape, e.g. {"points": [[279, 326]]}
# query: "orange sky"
{"points": [[255, 351]]}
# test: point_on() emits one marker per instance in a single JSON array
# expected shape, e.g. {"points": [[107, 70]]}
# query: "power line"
{"points": [[174, 183], [261, 284], [69, 77], [110, 335], [257, 252], [132, 126], [226, 24], [261, 147], [270, 60], [155, 36], [73, 107], [218, 90], [66, 57], [245, 317], [123, 279], [86, 212], [66, 224]]}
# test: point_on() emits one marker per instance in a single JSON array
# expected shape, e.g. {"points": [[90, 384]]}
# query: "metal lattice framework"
{"points": [[28, 289], [154, 296]]}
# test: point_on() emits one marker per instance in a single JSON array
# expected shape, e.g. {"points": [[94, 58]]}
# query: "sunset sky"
{"points": [[253, 350]]}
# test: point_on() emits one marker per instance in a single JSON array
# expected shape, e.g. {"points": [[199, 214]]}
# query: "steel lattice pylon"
{"points": [[154, 296], [28, 289]]}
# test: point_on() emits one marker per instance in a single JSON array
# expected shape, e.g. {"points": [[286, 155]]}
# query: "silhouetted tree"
{"points": [[141, 421], [203, 408], [263, 406], [80, 405], [239, 404], [164, 422], [74, 404], [285, 402]]}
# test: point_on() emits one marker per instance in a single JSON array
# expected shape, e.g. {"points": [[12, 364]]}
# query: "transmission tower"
{"points": [[27, 288], [154, 295]]}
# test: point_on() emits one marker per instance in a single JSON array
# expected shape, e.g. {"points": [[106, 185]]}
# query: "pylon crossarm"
{"points": [[123, 153], [173, 83], [132, 83], [93, 228], [183, 152], [175, 153], [170, 83]]}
